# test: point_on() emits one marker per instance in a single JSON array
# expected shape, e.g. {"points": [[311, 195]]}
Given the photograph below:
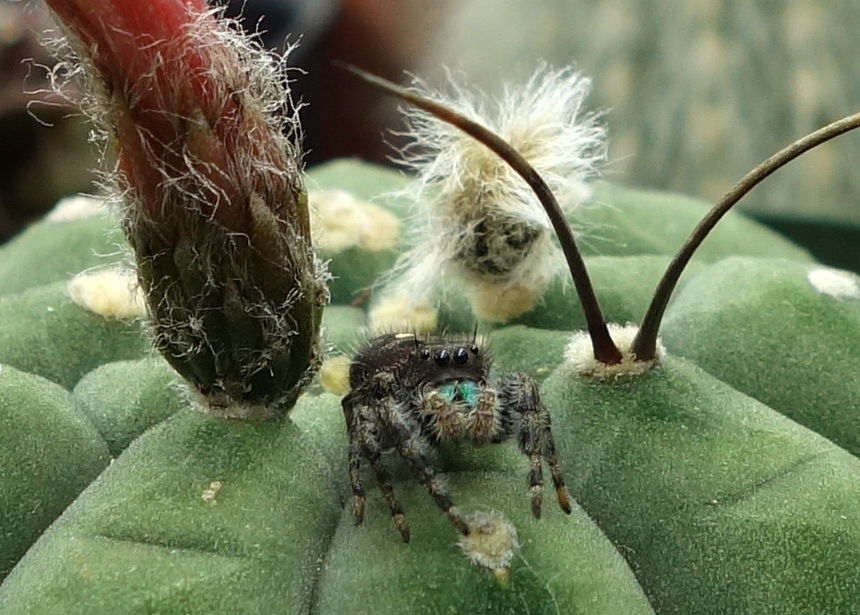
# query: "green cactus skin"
{"points": [[344, 328], [44, 332], [625, 221], [718, 503], [624, 284], [565, 564], [380, 184], [145, 539], [49, 453], [518, 348], [761, 326], [125, 398], [178, 553], [52, 251]]}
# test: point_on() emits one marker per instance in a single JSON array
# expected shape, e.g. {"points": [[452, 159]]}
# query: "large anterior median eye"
{"points": [[461, 356], [442, 357]]}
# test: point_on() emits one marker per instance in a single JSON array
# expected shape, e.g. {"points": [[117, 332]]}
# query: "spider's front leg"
{"points": [[363, 428], [412, 446], [519, 394]]}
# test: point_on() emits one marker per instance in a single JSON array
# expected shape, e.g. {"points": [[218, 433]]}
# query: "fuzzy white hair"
{"points": [[463, 189]]}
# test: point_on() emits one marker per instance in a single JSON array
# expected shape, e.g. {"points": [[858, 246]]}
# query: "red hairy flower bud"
{"points": [[209, 168]]}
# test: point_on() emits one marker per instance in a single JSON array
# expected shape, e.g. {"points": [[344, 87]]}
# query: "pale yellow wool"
{"points": [[400, 312], [339, 221], [111, 293], [501, 302], [491, 542], [334, 375], [579, 355]]}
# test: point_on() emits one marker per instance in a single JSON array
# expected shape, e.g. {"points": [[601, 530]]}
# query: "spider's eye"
{"points": [[474, 349], [461, 356], [442, 357], [425, 354]]}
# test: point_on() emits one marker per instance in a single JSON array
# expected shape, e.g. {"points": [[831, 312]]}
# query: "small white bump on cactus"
{"points": [[111, 293], [834, 282], [491, 542], [210, 494], [76, 207], [579, 355], [478, 219], [339, 221]]}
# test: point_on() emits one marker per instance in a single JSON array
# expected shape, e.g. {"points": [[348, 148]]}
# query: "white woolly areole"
{"points": [[110, 293], [76, 207], [334, 375], [501, 303], [339, 221], [478, 219], [401, 312], [491, 542], [579, 355], [834, 282]]}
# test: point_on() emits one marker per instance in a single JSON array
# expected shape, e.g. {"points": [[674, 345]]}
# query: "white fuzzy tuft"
{"points": [[491, 542], [210, 494], [110, 293], [401, 312], [76, 207], [334, 375], [479, 219], [339, 221], [834, 282], [579, 355]]}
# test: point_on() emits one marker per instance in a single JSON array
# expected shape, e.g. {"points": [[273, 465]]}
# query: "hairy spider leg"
{"points": [[551, 458], [442, 415], [411, 449], [355, 452], [363, 441], [354, 459], [534, 438]]}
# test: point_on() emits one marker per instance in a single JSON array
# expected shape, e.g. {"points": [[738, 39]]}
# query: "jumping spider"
{"points": [[410, 393]]}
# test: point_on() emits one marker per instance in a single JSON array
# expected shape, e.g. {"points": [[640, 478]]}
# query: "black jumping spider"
{"points": [[409, 393]]}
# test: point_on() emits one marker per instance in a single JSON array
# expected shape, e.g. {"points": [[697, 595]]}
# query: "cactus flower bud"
{"points": [[213, 205]]}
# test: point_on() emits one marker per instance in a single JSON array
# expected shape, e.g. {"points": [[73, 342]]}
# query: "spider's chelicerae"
{"points": [[409, 393]]}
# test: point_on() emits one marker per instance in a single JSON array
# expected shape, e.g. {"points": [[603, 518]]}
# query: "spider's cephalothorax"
{"points": [[409, 393]]}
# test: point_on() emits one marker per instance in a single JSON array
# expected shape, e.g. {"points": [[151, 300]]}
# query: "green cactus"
{"points": [[705, 493], [721, 477]]}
